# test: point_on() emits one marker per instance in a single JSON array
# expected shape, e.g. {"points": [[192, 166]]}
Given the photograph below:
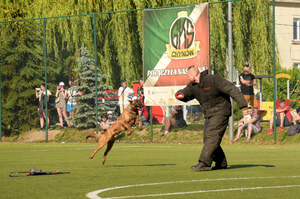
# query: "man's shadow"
{"points": [[239, 166], [144, 165]]}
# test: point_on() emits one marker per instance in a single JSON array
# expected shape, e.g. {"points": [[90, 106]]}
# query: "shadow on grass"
{"points": [[238, 166], [144, 165]]}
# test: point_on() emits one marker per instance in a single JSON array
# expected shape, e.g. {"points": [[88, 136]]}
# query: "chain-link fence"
{"points": [[59, 51]]}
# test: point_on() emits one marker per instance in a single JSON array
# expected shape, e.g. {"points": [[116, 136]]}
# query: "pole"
{"points": [[151, 125], [230, 64], [46, 88], [274, 73], [96, 72], [0, 104]]}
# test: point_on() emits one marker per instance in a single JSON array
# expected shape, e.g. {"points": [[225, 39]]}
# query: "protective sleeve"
{"points": [[186, 94]]}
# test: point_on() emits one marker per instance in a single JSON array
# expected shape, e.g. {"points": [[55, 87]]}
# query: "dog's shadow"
{"points": [[239, 166], [144, 165]]}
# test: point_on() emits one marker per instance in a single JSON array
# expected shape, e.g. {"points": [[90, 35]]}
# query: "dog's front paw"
{"points": [[91, 157]]}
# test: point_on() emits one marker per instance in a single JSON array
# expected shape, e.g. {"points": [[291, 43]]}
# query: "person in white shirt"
{"points": [[123, 94], [40, 94]]}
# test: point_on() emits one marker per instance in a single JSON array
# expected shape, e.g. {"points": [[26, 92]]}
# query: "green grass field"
{"points": [[149, 171]]}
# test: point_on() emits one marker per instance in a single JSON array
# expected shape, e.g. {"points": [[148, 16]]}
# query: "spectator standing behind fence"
{"points": [[71, 102], [40, 94], [123, 94], [60, 106], [247, 81], [141, 90], [176, 119], [283, 117], [250, 123]]}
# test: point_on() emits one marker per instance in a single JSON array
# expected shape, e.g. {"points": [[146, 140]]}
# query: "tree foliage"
{"points": [[119, 44], [85, 109]]}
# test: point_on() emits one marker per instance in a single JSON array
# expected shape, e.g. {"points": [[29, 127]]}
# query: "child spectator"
{"points": [[111, 118], [103, 124], [249, 123]]}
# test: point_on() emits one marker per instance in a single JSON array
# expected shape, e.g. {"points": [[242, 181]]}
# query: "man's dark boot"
{"points": [[218, 167], [201, 167]]}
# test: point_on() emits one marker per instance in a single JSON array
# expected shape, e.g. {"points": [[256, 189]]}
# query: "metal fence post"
{"points": [[274, 73], [230, 65], [96, 72], [46, 88], [151, 125]]}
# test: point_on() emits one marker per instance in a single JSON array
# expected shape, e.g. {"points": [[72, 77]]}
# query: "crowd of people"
{"points": [[249, 124], [65, 102], [283, 116]]}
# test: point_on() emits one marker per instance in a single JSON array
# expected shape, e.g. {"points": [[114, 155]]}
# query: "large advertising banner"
{"points": [[174, 39]]}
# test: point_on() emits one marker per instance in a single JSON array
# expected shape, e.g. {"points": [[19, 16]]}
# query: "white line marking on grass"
{"points": [[94, 194]]}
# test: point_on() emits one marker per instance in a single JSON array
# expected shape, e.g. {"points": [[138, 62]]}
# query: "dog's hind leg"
{"points": [[110, 144], [93, 135], [102, 141]]}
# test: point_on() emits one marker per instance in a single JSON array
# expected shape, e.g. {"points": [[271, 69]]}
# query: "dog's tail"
{"points": [[93, 135]]}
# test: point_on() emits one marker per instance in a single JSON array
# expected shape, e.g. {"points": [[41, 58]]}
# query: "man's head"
{"points": [[193, 74], [250, 110], [71, 83], [123, 83], [141, 81], [246, 68], [282, 103]]}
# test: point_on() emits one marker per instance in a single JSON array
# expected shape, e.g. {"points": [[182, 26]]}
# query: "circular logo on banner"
{"points": [[182, 38]]}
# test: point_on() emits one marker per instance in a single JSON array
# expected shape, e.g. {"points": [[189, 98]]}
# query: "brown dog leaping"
{"points": [[129, 117]]}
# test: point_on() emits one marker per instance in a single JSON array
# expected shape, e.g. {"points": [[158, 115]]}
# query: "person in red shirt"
{"points": [[283, 117]]}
